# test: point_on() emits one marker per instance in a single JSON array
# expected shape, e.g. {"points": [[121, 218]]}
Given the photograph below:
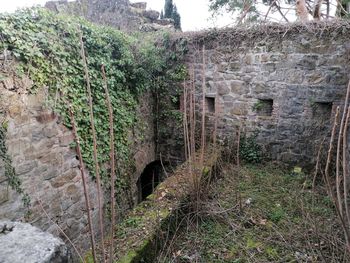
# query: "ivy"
{"points": [[10, 174], [47, 49], [249, 150], [169, 91]]}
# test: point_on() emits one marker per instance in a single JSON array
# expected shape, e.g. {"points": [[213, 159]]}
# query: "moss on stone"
{"points": [[137, 232]]}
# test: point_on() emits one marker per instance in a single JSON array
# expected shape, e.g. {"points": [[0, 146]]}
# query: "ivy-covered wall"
{"points": [[42, 173], [41, 75]]}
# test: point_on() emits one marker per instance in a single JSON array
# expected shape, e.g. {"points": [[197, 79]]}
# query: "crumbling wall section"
{"points": [[120, 14]]}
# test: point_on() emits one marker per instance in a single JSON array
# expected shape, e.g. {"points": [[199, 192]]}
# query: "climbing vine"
{"points": [[250, 151], [47, 49], [10, 174], [169, 127]]}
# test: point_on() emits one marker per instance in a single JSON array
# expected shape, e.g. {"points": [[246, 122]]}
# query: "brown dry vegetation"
{"points": [[259, 214]]}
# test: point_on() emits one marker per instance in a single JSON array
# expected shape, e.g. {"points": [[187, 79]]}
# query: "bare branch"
{"points": [[83, 177], [97, 168], [112, 160]]}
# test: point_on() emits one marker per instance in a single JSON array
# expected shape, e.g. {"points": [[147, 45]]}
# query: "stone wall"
{"points": [[284, 82], [144, 143], [24, 243], [120, 14], [40, 148]]}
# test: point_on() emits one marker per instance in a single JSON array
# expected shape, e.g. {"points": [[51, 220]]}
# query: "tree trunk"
{"points": [[301, 10], [317, 9]]}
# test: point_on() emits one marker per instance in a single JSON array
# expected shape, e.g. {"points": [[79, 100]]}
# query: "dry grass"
{"points": [[259, 214]]}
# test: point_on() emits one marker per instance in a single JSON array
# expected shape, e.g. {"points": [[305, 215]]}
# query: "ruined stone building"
{"points": [[281, 83]]}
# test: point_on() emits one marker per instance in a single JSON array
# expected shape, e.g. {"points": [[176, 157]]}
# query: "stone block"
{"points": [[235, 66], [308, 62], [22, 119], [260, 88], [54, 158], [248, 59], [25, 167], [239, 108], [315, 78], [14, 110], [265, 57], [270, 67], [22, 242], [237, 86], [71, 222], [276, 57], [74, 230], [151, 14], [4, 192], [35, 102], [52, 172], [228, 105], [228, 98], [63, 179], [74, 193], [46, 117], [70, 163], [339, 79], [165, 22], [222, 88], [50, 132], [139, 5], [66, 204], [294, 76], [37, 134], [256, 59], [222, 67], [9, 83], [43, 146]]}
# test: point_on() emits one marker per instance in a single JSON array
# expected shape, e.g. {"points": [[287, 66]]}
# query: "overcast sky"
{"points": [[194, 13]]}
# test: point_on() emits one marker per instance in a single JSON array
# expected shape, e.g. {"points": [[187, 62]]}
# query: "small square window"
{"points": [[210, 104], [263, 107]]}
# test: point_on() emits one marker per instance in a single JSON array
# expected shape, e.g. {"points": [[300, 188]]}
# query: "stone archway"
{"points": [[149, 179]]}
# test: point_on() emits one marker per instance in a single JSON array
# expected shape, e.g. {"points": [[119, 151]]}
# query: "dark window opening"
{"points": [[149, 179], [210, 104], [264, 107], [322, 110]]}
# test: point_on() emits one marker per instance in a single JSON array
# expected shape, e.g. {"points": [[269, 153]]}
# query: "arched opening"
{"points": [[149, 179]]}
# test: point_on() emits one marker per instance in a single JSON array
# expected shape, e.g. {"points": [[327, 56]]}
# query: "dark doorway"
{"points": [[149, 179]]}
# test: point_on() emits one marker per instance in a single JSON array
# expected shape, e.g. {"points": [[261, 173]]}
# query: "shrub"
{"points": [[249, 150]]}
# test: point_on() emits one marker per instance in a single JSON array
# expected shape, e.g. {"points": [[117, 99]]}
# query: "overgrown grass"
{"points": [[260, 214]]}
